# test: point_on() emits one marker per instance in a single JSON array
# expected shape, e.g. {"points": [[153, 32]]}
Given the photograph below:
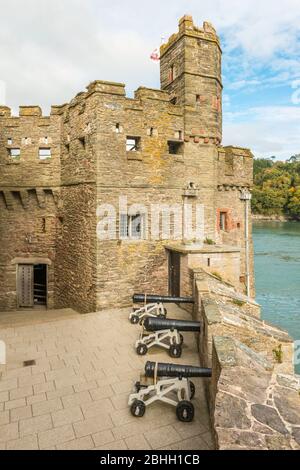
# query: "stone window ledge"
{"points": [[17, 162], [134, 156]]}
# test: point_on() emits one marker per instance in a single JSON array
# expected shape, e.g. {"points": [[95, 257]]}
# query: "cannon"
{"points": [[145, 298], [153, 310], [164, 333], [170, 384], [158, 369], [153, 306]]}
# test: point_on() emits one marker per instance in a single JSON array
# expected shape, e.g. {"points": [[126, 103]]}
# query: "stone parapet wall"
{"points": [[253, 394], [253, 406]]}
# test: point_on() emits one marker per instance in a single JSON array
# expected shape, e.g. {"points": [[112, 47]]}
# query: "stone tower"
{"points": [[191, 73]]}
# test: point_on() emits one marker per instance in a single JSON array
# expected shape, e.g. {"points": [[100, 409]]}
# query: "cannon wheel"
{"points": [[142, 349], [193, 390], [134, 319], [138, 408], [175, 350], [185, 411]]}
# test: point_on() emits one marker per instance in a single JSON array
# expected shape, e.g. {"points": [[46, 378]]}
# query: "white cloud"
{"points": [[271, 130], [243, 83]]}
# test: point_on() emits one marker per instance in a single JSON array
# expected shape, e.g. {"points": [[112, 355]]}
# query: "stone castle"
{"points": [[163, 147]]}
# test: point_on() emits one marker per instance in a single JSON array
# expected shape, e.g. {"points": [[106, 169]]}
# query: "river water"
{"points": [[277, 274]]}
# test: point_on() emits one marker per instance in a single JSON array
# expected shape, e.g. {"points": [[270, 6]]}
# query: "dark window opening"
{"points": [[238, 225], [133, 144], [198, 99], [223, 221], [208, 262], [132, 226], [118, 130], [82, 142], [175, 148], [43, 225], [173, 100], [151, 131], [40, 284]]}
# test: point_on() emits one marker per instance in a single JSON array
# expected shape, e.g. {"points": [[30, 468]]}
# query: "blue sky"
{"points": [[50, 50]]}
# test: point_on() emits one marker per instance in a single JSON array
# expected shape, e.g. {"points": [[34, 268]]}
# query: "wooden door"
{"points": [[25, 285], [174, 274]]}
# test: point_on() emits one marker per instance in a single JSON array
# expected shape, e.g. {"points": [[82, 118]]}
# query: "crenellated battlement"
{"points": [[187, 28], [235, 166]]}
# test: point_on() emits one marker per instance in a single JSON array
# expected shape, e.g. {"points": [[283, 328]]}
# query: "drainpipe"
{"points": [[246, 196]]}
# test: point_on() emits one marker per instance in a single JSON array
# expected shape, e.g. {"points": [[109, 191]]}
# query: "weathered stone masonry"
{"points": [[48, 206]]}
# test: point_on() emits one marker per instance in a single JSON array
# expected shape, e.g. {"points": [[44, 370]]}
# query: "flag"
{"points": [[155, 56]]}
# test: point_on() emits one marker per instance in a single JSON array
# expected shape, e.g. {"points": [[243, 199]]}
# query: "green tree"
{"points": [[276, 188]]}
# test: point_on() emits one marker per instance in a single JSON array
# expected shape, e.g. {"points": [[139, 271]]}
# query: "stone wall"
{"points": [[253, 394], [75, 275], [29, 196], [28, 231]]}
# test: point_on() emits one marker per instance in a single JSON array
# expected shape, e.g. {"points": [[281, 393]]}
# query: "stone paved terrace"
{"points": [[75, 397]]}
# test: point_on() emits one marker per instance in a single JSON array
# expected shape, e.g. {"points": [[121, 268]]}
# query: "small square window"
{"points": [[44, 153], [132, 227], [82, 142], [198, 99], [9, 141], [175, 147], [133, 144], [178, 135], [14, 153], [223, 221], [172, 73]]}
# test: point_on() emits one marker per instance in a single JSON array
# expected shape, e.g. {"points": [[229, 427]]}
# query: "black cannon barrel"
{"points": [[157, 324], [140, 298], [175, 370]]}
